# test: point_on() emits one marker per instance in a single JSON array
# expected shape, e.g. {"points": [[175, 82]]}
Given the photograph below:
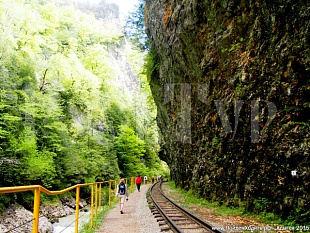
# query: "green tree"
{"points": [[130, 149], [135, 28]]}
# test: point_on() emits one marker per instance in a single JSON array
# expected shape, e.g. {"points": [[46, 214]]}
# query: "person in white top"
{"points": [[145, 179], [122, 193]]}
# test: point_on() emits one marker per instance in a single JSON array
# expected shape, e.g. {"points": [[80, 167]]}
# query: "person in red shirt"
{"points": [[138, 182]]}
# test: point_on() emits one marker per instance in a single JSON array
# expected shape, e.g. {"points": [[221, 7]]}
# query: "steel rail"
{"points": [[190, 215], [168, 219]]}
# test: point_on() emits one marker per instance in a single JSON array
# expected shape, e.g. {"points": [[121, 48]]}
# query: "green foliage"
{"points": [[236, 45], [98, 219], [4, 201], [40, 168], [63, 118], [135, 28], [130, 149], [262, 206], [115, 117], [151, 65]]}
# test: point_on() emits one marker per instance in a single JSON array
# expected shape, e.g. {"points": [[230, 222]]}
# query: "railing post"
{"points": [[100, 196], [36, 209], [114, 190], [92, 206], [110, 187], [77, 205], [96, 198]]}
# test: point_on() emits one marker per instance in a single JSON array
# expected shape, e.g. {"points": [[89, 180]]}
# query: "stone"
{"points": [[18, 218]]}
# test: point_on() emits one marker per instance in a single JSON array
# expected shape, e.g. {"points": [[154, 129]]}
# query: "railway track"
{"points": [[172, 217]]}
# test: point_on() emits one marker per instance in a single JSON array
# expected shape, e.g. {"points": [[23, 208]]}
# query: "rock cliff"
{"points": [[231, 82]]}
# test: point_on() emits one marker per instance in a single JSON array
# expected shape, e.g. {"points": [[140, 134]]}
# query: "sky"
{"points": [[125, 6]]}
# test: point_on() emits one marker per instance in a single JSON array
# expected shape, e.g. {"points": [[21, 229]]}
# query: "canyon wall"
{"points": [[231, 82]]}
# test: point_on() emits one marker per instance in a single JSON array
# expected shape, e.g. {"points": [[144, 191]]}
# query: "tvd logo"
{"points": [[179, 96]]}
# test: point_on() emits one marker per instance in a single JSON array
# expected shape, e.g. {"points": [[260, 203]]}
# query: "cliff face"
{"points": [[231, 82]]}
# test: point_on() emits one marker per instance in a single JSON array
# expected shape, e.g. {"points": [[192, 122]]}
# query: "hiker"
{"points": [[122, 193], [145, 179], [153, 179], [138, 182]]}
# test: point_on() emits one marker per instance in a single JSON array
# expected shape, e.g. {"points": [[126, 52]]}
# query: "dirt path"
{"points": [[137, 217]]}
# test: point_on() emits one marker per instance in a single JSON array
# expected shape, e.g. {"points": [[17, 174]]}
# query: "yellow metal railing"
{"points": [[96, 197]]}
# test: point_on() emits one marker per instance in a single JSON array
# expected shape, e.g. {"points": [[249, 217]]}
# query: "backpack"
{"points": [[121, 189]]}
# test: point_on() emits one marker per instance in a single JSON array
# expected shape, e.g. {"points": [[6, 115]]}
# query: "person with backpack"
{"points": [[122, 193], [145, 179], [138, 182]]}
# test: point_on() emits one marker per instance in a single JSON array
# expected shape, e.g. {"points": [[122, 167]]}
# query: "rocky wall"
{"points": [[231, 80]]}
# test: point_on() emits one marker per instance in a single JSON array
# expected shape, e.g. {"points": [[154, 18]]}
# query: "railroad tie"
{"points": [[167, 228], [162, 223]]}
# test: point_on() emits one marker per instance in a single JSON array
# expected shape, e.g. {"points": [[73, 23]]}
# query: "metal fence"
{"points": [[95, 198]]}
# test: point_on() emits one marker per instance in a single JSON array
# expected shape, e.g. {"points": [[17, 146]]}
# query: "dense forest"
{"points": [[75, 105]]}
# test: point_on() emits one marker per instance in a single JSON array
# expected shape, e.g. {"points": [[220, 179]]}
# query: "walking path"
{"points": [[137, 217]]}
